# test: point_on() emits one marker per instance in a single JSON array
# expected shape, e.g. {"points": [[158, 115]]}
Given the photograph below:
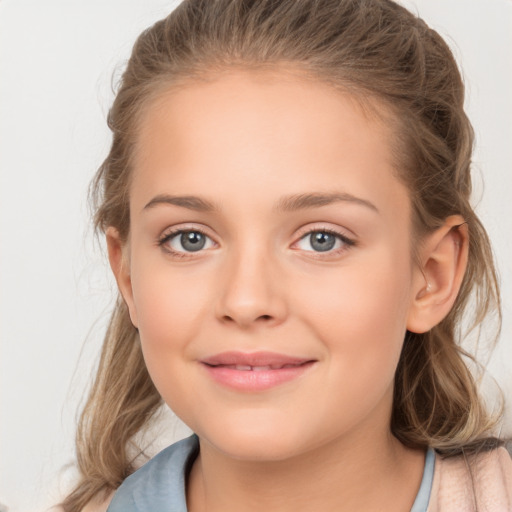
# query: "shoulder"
{"points": [[481, 481], [160, 483]]}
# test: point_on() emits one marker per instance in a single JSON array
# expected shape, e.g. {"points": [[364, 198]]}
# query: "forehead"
{"points": [[258, 132], [236, 97]]}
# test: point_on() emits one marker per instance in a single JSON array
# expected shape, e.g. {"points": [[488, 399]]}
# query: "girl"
{"points": [[286, 209]]}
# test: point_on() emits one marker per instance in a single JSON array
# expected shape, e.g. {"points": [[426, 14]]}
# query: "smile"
{"points": [[255, 371], [246, 368]]}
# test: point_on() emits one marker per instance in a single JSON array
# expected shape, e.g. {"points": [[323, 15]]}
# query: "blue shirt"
{"points": [[159, 485]]}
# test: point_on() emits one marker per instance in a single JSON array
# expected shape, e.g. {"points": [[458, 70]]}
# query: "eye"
{"points": [[183, 241], [324, 240]]}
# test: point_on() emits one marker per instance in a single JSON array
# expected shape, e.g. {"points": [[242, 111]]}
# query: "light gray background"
{"points": [[56, 62]]}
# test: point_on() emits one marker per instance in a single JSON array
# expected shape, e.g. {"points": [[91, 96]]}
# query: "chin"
{"points": [[261, 440], [256, 448]]}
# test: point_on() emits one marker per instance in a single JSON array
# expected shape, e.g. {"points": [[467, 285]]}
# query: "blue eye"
{"points": [[323, 240], [185, 241]]}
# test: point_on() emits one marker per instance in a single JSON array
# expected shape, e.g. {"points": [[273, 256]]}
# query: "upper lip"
{"points": [[253, 359]]}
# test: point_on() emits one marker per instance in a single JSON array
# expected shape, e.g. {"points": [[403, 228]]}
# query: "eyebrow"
{"points": [[285, 204], [316, 199]]}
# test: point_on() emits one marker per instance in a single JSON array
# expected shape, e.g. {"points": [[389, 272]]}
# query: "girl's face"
{"points": [[269, 267]]}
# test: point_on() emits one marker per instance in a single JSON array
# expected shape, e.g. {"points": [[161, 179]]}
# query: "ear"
{"points": [[437, 280], [120, 265]]}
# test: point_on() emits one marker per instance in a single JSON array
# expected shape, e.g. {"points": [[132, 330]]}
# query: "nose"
{"points": [[252, 291]]}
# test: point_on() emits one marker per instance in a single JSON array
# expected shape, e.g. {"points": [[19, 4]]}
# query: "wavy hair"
{"points": [[373, 49]]}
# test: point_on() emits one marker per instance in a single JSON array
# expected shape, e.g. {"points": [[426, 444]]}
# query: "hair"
{"points": [[372, 49]]}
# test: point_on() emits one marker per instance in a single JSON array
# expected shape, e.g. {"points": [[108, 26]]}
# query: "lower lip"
{"points": [[250, 380]]}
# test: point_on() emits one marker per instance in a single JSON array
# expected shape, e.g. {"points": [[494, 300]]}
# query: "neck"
{"points": [[345, 474]]}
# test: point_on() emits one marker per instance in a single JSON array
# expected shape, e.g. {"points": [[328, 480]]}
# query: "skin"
{"points": [[244, 141]]}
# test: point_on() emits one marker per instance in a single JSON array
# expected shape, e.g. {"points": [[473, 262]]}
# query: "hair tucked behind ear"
{"points": [[376, 50]]}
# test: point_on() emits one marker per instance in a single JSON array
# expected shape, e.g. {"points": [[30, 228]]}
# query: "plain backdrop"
{"points": [[57, 59]]}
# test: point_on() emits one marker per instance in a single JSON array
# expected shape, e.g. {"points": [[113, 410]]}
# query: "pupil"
{"points": [[322, 241], [192, 241]]}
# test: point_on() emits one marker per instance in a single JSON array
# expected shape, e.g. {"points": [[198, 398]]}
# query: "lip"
{"points": [[256, 371]]}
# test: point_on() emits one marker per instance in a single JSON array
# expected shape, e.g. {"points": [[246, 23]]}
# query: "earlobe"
{"points": [[120, 266], [438, 278]]}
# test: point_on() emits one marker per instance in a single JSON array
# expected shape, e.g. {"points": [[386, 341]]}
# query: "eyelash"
{"points": [[169, 235], [347, 243]]}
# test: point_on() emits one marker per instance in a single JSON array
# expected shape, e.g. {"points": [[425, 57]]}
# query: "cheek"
{"points": [[170, 306], [169, 310], [360, 312]]}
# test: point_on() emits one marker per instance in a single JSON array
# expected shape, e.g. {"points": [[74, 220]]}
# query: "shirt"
{"points": [[457, 484]]}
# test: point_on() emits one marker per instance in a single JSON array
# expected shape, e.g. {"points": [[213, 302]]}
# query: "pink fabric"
{"points": [[476, 483]]}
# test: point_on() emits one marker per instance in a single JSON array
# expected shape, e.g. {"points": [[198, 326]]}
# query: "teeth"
{"points": [[265, 368]]}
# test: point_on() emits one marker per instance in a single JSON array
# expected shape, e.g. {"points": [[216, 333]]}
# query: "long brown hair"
{"points": [[370, 48]]}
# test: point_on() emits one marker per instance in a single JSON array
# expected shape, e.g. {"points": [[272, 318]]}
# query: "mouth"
{"points": [[248, 360], [249, 368], [252, 372]]}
